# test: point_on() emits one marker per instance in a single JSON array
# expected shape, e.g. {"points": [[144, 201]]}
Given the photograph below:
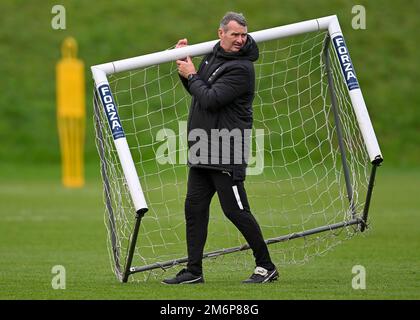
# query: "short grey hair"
{"points": [[229, 16]]}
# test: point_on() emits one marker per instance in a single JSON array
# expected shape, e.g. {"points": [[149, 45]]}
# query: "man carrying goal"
{"points": [[222, 91]]}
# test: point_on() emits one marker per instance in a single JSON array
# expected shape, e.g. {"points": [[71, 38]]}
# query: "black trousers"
{"points": [[202, 185]]}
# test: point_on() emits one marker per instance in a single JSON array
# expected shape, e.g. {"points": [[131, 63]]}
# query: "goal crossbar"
{"points": [[102, 70], [295, 235]]}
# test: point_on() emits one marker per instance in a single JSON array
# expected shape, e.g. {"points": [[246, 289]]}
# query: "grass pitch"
{"points": [[43, 225]]}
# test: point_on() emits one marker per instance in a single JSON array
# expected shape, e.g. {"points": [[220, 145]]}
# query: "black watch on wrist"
{"points": [[190, 76]]}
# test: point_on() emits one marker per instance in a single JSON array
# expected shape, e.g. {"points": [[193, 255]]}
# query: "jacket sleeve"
{"points": [[184, 83], [229, 86]]}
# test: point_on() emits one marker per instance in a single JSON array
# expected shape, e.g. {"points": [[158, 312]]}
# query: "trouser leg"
{"points": [[200, 191], [234, 202]]}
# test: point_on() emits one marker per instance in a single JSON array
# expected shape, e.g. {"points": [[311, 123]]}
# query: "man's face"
{"points": [[234, 38]]}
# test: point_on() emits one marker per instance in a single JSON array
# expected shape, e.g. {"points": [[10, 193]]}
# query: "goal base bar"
{"points": [[296, 235]]}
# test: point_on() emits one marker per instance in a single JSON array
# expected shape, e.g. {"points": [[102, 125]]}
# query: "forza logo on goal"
{"points": [[111, 112], [345, 62]]}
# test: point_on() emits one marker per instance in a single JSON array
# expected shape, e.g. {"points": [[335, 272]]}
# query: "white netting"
{"points": [[296, 179]]}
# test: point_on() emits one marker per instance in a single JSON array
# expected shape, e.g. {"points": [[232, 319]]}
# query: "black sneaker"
{"points": [[262, 275], [184, 276]]}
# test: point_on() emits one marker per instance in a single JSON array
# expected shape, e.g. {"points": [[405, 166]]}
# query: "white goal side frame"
{"points": [[329, 23]]}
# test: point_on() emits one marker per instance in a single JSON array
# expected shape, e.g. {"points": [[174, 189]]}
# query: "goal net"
{"points": [[308, 174]]}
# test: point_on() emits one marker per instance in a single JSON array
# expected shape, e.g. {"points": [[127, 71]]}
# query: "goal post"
{"points": [[312, 79]]}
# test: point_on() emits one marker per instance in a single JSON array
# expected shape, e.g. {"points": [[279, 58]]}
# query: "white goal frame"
{"points": [[330, 24]]}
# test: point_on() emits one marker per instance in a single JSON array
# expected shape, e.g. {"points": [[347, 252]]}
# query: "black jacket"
{"points": [[222, 94]]}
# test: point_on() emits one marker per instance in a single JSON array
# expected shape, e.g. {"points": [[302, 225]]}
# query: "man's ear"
{"points": [[220, 33]]}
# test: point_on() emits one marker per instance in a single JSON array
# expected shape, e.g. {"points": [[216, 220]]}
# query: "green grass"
{"points": [[42, 225]]}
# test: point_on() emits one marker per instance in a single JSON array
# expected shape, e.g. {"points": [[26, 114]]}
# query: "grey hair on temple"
{"points": [[229, 16]]}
